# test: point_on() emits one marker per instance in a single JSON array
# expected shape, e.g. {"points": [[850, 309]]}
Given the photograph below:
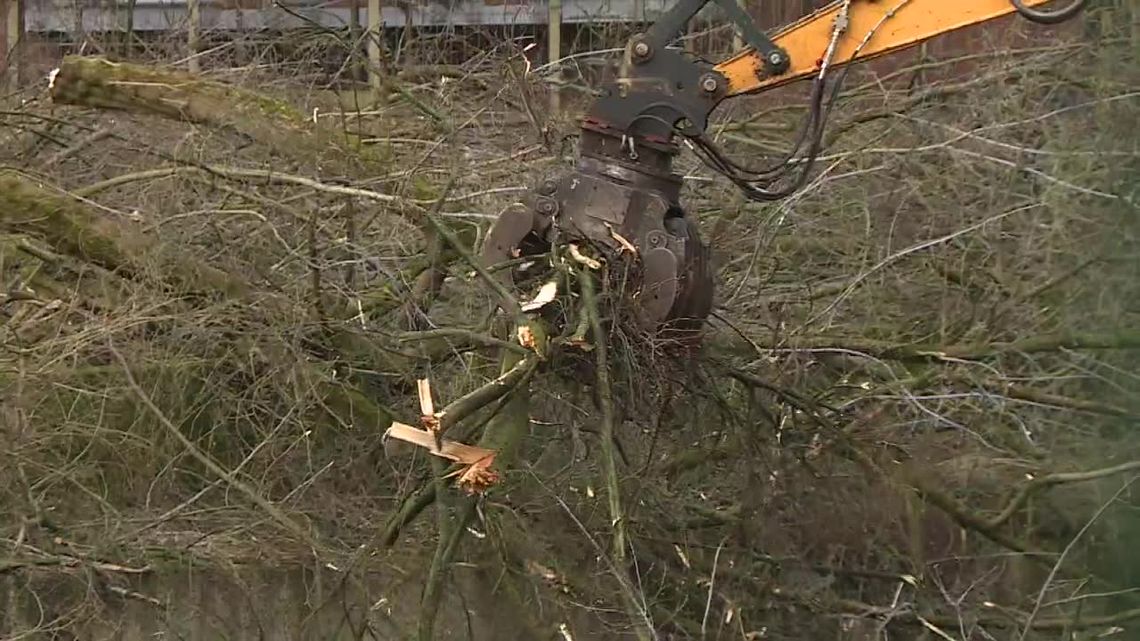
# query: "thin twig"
{"points": [[273, 511], [1038, 484], [1065, 553], [606, 401]]}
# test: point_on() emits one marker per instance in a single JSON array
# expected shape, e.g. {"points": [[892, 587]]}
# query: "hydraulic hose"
{"points": [[1056, 16]]}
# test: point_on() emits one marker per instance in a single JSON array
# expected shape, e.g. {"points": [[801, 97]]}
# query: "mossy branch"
{"points": [[96, 82], [891, 615], [484, 395], [71, 227], [606, 403], [503, 431], [503, 434], [1044, 482], [1121, 339]]}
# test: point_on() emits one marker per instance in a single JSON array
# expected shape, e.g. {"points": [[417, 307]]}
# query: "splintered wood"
{"points": [[476, 475], [621, 240], [427, 407], [583, 259], [545, 295]]}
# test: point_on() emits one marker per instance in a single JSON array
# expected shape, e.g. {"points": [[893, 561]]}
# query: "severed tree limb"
{"points": [[605, 398], [1121, 339], [609, 459], [99, 83], [1045, 482], [73, 228], [500, 434], [510, 421], [468, 337], [892, 616], [471, 402], [503, 434]]}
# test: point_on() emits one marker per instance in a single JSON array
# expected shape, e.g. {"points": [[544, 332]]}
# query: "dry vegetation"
{"points": [[913, 417]]}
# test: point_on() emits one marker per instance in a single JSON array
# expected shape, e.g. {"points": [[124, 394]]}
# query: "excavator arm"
{"points": [[892, 25], [623, 191]]}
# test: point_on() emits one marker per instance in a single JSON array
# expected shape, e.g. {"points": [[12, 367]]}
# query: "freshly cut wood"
{"points": [[476, 474]]}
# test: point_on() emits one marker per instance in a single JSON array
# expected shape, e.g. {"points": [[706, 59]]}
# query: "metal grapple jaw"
{"points": [[612, 202]]}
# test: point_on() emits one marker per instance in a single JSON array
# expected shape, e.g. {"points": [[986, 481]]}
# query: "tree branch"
{"points": [[272, 510], [71, 227], [609, 459], [1121, 339], [1045, 482]]}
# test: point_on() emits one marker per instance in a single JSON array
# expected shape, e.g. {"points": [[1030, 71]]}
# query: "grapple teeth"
{"points": [[617, 206], [504, 240], [659, 286]]}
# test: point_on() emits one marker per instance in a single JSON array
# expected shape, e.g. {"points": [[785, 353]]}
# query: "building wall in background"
{"points": [[162, 15]]}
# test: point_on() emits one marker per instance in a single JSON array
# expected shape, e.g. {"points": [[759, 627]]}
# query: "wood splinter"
{"points": [[476, 475]]}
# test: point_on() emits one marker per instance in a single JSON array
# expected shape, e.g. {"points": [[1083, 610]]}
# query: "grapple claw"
{"points": [[658, 287], [617, 206], [505, 239]]}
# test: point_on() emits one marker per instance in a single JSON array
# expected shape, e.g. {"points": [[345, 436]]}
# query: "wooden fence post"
{"points": [[192, 26], [737, 39], [375, 37], [554, 50], [1134, 5], [13, 34]]}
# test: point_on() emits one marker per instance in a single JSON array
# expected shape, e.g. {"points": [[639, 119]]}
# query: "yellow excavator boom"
{"points": [[892, 25], [623, 191]]}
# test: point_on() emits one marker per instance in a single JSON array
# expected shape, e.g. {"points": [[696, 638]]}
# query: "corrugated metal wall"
{"points": [[161, 15]]}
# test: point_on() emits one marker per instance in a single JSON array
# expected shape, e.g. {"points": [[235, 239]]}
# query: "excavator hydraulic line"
{"points": [[894, 25], [623, 190]]}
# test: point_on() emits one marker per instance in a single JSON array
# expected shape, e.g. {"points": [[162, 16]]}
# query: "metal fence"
{"points": [[42, 16]]}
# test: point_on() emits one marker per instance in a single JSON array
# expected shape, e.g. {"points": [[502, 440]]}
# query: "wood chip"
{"points": [[423, 387], [428, 417], [526, 336], [582, 258], [545, 295], [625, 244]]}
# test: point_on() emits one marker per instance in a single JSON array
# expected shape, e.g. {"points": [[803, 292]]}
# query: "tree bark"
{"points": [[99, 83], [74, 229]]}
